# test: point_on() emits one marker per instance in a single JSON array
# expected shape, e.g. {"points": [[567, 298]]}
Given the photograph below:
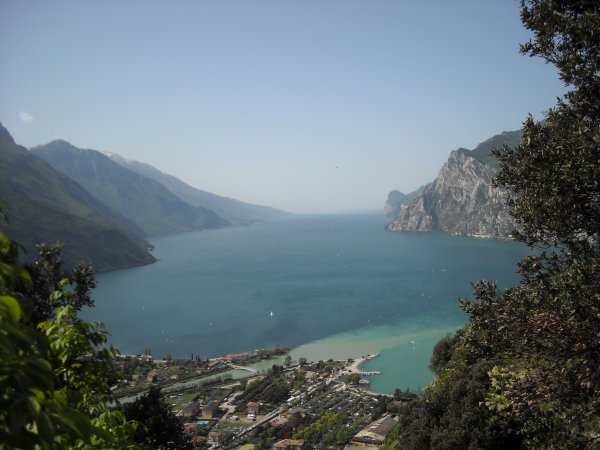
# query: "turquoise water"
{"points": [[330, 286]]}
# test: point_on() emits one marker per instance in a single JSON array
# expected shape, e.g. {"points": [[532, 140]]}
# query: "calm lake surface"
{"points": [[329, 286]]}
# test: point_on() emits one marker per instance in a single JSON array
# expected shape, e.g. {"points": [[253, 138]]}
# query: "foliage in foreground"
{"points": [[158, 425], [54, 374], [524, 372]]}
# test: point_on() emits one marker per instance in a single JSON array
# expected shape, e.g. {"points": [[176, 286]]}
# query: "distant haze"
{"points": [[307, 106]]}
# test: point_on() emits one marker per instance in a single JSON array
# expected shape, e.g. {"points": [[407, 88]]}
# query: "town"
{"points": [[291, 405]]}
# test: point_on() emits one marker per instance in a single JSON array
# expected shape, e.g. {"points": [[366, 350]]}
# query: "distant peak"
{"points": [[58, 143], [5, 135]]}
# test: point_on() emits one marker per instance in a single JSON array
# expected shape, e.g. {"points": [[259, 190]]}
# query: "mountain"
{"points": [[234, 211], [462, 200], [43, 205], [396, 199], [147, 203]]}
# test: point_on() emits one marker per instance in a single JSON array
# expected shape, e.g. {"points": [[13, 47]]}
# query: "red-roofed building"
{"points": [[213, 363], [253, 407], [289, 444], [214, 436]]}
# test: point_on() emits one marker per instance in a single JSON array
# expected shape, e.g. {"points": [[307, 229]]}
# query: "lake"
{"points": [[336, 286]]}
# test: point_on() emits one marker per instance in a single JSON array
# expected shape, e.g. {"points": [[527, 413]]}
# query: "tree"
{"points": [[525, 369], [48, 276], [160, 427], [547, 329], [353, 379], [288, 361], [54, 378], [442, 353], [554, 173]]}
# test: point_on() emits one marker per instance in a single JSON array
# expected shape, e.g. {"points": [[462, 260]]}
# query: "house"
{"points": [[152, 376], [190, 428], [198, 440], [292, 411], [237, 357], [191, 409], [374, 434], [214, 436], [253, 407], [289, 444], [210, 411], [213, 363]]}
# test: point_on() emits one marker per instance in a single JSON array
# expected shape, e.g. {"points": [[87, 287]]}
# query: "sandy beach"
{"points": [[355, 366]]}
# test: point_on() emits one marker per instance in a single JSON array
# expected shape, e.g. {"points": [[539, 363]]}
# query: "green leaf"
{"points": [[12, 305]]}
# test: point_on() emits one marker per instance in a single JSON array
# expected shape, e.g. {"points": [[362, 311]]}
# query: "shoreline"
{"points": [[355, 366]]}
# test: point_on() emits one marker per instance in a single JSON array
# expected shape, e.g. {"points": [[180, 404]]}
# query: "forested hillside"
{"points": [[524, 371], [142, 200], [232, 210], [42, 205]]}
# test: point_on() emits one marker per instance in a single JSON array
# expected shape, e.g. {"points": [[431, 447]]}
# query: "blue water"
{"points": [[332, 286]]}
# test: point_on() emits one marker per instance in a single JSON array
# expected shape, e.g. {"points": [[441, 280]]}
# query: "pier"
{"points": [[372, 372], [355, 367]]}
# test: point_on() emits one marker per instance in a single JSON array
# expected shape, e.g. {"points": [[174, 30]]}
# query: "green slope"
{"points": [[482, 151], [142, 200], [44, 205]]}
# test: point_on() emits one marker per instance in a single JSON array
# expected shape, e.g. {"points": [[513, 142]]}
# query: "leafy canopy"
{"points": [[54, 375], [524, 370]]}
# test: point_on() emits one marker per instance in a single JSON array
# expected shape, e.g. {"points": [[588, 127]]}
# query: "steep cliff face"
{"points": [[461, 200], [396, 199]]}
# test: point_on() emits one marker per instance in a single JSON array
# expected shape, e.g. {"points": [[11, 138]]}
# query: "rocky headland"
{"points": [[462, 199]]}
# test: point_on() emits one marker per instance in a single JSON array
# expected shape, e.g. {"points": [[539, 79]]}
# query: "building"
{"points": [[238, 357], [152, 377], [210, 411], [198, 440], [213, 363], [191, 410], [190, 428], [374, 434], [253, 407], [289, 444], [214, 436]]}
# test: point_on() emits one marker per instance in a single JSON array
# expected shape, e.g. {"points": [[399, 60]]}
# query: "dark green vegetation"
{"points": [[159, 427], [272, 389], [234, 211], [145, 202], [43, 205], [524, 372], [55, 374], [482, 152], [330, 430]]}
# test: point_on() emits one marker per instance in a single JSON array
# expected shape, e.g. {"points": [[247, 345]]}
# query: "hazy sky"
{"points": [[308, 106]]}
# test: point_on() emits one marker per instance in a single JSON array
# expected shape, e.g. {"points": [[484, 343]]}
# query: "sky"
{"points": [[311, 106]]}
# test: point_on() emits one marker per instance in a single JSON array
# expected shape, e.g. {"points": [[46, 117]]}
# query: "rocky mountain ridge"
{"points": [[396, 199], [147, 203], [462, 200], [43, 205]]}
